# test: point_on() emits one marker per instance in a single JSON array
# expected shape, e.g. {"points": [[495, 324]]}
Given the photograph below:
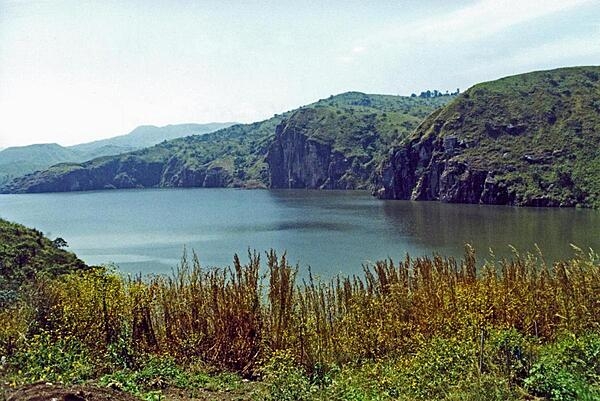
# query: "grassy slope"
{"points": [[25, 253], [539, 131], [359, 124], [354, 122]]}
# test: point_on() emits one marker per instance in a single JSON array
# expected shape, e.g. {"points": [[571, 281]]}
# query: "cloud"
{"points": [[345, 59], [488, 17], [352, 55], [462, 33], [472, 22]]}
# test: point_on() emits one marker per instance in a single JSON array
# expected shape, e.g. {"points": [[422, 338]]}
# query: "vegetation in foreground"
{"points": [[422, 329]]}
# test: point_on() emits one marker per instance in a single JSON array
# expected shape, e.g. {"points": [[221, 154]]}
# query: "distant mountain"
{"points": [[333, 143], [529, 140], [148, 135], [18, 161]]}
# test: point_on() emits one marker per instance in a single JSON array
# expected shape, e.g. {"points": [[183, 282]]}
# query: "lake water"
{"points": [[332, 231]]}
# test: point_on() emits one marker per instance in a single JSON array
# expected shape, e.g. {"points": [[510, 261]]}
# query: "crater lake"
{"points": [[332, 231]]}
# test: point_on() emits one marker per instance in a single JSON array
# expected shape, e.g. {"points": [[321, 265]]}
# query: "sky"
{"points": [[77, 71]]}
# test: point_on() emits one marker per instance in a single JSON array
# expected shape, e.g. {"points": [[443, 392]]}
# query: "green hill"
{"points": [[353, 126], [148, 135], [529, 139]]}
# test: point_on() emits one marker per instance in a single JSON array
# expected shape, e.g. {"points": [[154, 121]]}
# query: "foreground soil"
{"points": [[47, 392], [52, 392]]}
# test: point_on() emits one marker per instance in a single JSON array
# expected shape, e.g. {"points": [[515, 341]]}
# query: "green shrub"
{"points": [[44, 358], [439, 366], [568, 369], [508, 354], [285, 380]]}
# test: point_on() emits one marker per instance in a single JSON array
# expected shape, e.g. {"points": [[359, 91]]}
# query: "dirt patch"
{"points": [[50, 392]]}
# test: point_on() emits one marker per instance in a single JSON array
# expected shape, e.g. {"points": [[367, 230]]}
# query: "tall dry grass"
{"points": [[234, 317]]}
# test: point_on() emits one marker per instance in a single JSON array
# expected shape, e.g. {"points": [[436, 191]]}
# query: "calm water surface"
{"points": [[332, 231]]}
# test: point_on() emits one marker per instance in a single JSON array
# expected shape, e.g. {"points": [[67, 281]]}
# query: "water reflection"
{"points": [[447, 227]]}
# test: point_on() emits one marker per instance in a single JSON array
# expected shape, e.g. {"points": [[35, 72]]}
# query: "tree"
{"points": [[59, 243]]}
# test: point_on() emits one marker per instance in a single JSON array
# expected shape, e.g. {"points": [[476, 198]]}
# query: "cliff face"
{"points": [[298, 161], [527, 140], [338, 144], [180, 173], [426, 170]]}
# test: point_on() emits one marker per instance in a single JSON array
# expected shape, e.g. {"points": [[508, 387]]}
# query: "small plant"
{"points": [[509, 353], [44, 358], [285, 380], [158, 373]]}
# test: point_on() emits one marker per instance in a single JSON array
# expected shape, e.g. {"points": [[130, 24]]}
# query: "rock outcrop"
{"points": [[298, 160], [426, 171], [527, 140]]}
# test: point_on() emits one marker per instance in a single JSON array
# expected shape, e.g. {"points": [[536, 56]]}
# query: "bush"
{"points": [[285, 380], [568, 369], [44, 358]]}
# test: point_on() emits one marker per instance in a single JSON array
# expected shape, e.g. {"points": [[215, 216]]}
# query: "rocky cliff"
{"points": [[528, 140], [298, 160]]}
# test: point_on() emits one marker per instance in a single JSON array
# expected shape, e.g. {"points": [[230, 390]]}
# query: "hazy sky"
{"points": [[74, 71]]}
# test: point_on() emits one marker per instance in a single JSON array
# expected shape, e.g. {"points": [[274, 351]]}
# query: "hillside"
{"points": [[527, 140], [352, 127], [20, 160], [338, 142], [25, 253]]}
